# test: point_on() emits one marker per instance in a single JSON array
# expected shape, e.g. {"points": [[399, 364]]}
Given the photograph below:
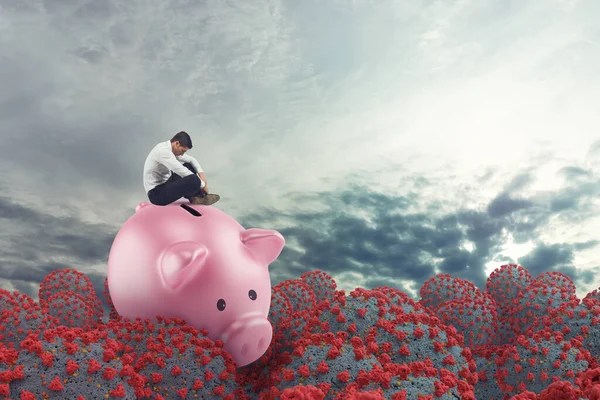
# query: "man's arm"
{"points": [[167, 158], [189, 159]]}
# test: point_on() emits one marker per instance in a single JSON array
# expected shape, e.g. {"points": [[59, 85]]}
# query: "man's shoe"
{"points": [[205, 200]]}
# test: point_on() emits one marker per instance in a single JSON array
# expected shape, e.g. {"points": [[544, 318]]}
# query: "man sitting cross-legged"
{"points": [[170, 174]]}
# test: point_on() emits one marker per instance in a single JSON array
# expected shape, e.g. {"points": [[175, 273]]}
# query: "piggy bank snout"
{"points": [[249, 340]]}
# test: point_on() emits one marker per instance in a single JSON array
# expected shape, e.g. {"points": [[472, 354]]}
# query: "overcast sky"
{"points": [[387, 140]]}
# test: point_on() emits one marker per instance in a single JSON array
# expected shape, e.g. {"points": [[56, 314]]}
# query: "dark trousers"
{"points": [[177, 187]]}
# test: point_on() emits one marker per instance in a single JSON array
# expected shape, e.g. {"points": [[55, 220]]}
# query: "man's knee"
{"points": [[193, 179], [153, 200], [190, 167], [192, 182]]}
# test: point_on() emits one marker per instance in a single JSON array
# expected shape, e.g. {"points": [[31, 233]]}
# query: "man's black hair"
{"points": [[183, 138]]}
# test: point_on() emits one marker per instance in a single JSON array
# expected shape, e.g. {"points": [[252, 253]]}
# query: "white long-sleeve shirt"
{"points": [[161, 163]]}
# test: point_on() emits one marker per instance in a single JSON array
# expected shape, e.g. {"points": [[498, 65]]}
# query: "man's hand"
{"points": [[203, 179]]}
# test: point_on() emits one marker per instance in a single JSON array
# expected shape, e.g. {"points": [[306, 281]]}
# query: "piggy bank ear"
{"points": [[141, 205], [265, 244], [181, 263]]}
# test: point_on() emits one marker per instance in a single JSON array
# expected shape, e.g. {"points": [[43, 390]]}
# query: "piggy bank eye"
{"points": [[221, 304], [252, 295]]}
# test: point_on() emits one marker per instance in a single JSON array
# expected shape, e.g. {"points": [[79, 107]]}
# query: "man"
{"points": [[170, 174]]}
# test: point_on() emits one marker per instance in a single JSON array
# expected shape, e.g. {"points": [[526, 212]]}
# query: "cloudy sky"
{"points": [[387, 140]]}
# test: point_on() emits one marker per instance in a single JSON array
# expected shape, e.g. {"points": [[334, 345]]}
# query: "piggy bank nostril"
{"points": [[261, 344], [245, 349]]}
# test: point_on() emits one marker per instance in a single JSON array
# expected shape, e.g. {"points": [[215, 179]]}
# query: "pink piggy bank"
{"points": [[197, 263]]}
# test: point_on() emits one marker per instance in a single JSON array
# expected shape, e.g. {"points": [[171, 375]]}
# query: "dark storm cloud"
{"points": [[581, 191], [547, 257], [402, 246], [60, 235], [27, 288], [34, 240], [519, 182], [504, 204], [573, 173], [31, 271], [563, 202], [559, 257]]}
